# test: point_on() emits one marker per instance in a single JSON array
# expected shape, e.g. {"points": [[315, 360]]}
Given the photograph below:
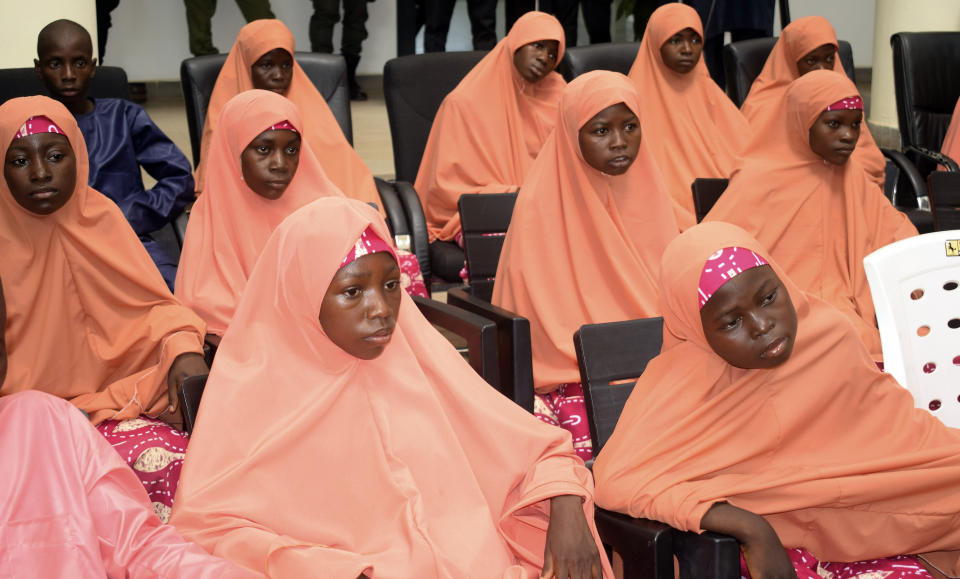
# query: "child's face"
{"points": [[41, 172], [66, 65], [750, 321], [535, 60], [834, 135], [610, 140], [820, 59], [681, 52], [270, 161], [359, 310], [273, 71]]}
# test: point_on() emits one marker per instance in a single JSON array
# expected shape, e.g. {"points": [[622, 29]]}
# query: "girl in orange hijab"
{"points": [[693, 129], [806, 44], [89, 317], [490, 128], [262, 58], [765, 418], [440, 476], [802, 192], [595, 215]]}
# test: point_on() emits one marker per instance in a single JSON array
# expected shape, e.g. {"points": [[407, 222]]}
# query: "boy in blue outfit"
{"points": [[120, 139]]}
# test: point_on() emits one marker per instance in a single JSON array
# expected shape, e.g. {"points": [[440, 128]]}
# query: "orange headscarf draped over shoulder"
{"points": [[765, 99], [490, 128], [597, 237], [951, 141], [229, 223], [826, 447], [89, 318], [817, 219], [442, 475], [340, 161], [692, 128]]}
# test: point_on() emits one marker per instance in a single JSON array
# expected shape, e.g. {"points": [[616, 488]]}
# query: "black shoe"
{"points": [[357, 94]]}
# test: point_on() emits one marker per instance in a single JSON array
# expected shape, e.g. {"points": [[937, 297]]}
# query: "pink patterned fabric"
{"points": [[283, 126], [723, 266], [411, 278], [564, 407], [808, 567], [854, 103], [37, 125], [368, 243], [155, 451]]}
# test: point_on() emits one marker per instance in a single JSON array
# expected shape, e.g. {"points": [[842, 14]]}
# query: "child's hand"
{"points": [[185, 365], [571, 551], [767, 559]]}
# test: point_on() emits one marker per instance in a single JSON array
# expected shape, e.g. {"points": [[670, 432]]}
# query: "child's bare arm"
{"points": [[765, 555]]}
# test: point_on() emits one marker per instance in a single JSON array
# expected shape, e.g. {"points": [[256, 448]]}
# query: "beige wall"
{"points": [[20, 27]]}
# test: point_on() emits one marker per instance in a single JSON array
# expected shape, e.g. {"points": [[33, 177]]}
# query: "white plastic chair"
{"points": [[916, 292]]}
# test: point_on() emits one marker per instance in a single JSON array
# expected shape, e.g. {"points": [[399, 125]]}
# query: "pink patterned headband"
{"points": [[854, 103], [723, 266], [283, 126], [37, 125], [368, 243]]}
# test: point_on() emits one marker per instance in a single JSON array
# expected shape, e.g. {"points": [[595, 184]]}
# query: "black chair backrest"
{"points": [[706, 192], [191, 390], [615, 56], [608, 353], [945, 200], [743, 61], [414, 86], [513, 346], [484, 219], [479, 333], [927, 85], [328, 73], [109, 82]]}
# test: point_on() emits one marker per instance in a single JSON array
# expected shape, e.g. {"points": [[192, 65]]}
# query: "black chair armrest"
{"points": [[706, 556], [396, 216], [909, 176], [645, 546], [191, 390], [420, 245], [479, 332], [927, 160]]}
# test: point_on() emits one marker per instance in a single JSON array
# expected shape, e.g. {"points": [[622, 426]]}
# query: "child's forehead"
{"points": [[65, 39]]}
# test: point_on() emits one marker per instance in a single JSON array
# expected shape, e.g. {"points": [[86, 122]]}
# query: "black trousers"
{"points": [[437, 15], [596, 15], [326, 13]]}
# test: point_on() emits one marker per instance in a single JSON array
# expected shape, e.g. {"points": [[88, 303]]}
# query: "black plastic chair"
{"points": [[328, 73], [484, 219], [927, 88], [609, 356], [743, 61], [191, 390], [945, 200], [109, 82], [615, 56], [513, 346], [479, 333], [706, 192]]}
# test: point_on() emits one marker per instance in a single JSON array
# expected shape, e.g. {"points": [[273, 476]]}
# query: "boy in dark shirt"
{"points": [[120, 139]]}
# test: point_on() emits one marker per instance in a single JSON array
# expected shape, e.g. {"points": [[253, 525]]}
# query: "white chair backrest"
{"points": [[916, 292]]}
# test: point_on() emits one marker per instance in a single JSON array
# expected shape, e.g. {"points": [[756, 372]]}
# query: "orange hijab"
{"points": [[340, 161], [489, 129], [230, 224], [818, 220], [439, 475], [597, 236], [765, 98], [692, 128], [89, 318], [827, 448], [951, 141]]}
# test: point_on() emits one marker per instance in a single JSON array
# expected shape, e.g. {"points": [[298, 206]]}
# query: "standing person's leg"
{"points": [[326, 13], [566, 11], [437, 15], [596, 15], [255, 9], [483, 23], [199, 14], [354, 32], [515, 9], [104, 7], [713, 58]]}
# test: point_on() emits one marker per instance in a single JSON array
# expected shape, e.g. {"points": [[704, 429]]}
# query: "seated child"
{"points": [[262, 57], [257, 177], [765, 418], [806, 44], [595, 215], [90, 319], [803, 193], [120, 139], [380, 450], [692, 128], [490, 128]]}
